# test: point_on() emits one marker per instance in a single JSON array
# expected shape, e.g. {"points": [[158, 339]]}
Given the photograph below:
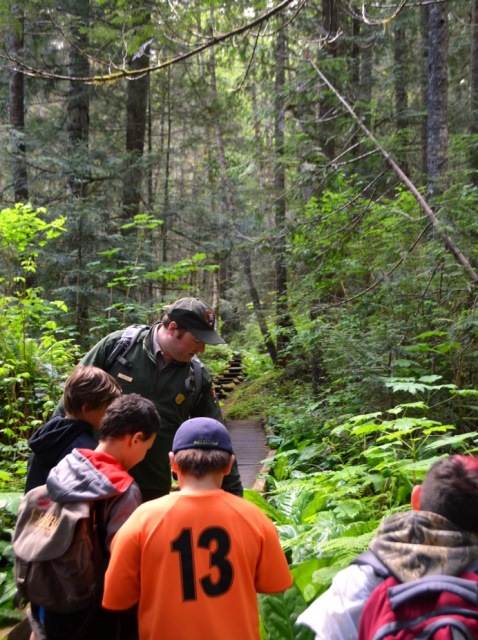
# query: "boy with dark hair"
{"points": [[194, 560], [438, 537], [450, 488], [87, 393], [100, 476]]}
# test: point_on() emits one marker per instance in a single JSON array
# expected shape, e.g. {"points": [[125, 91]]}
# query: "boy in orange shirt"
{"points": [[194, 560]]}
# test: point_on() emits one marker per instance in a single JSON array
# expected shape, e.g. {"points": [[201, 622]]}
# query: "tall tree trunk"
{"points": [[400, 76], [228, 189], [424, 46], [355, 52], [78, 104], [401, 92], [474, 93], [284, 323], [326, 108], [245, 258], [16, 100], [366, 78], [166, 216], [437, 156], [136, 107], [77, 132]]}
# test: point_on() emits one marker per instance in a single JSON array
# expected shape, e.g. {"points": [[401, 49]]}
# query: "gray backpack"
{"points": [[59, 562]]}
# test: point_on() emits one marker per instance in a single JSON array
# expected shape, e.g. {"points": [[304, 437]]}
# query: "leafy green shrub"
{"points": [[327, 492], [8, 509], [34, 354]]}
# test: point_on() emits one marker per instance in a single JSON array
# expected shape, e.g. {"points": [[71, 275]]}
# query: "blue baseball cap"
{"points": [[202, 433]]}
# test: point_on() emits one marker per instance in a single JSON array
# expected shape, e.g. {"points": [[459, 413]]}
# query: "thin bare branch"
{"points": [[132, 74], [385, 275], [446, 239]]}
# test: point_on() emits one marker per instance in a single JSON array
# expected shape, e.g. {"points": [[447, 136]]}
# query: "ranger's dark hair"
{"points": [[450, 488], [129, 414], [89, 386], [200, 462], [166, 321]]}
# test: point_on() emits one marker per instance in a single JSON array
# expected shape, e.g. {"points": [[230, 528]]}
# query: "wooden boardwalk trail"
{"points": [[250, 447], [248, 436]]}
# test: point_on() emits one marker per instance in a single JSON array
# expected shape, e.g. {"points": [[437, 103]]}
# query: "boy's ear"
{"points": [[172, 462], [137, 437], [231, 462], [416, 495]]}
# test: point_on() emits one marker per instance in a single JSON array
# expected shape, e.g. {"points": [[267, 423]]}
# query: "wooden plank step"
{"points": [[250, 447]]}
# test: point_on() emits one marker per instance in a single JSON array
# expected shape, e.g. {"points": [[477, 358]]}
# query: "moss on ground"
{"points": [[253, 398]]}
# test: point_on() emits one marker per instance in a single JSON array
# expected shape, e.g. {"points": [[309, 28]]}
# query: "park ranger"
{"points": [[161, 364]]}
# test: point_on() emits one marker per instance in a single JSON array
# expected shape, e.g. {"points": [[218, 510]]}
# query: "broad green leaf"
{"points": [[450, 441], [10, 501], [303, 577], [265, 506], [366, 429], [410, 405], [464, 392], [279, 613], [429, 379], [430, 334]]}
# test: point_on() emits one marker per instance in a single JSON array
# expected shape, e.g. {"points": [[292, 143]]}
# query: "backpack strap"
{"points": [[123, 346], [401, 593], [459, 630], [194, 380], [370, 559], [97, 528]]}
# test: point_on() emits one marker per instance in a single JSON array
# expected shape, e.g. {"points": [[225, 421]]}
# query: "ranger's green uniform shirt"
{"points": [[165, 385]]}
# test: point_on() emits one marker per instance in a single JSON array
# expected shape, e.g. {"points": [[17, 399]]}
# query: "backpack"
{"points": [[128, 340], [59, 559], [435, 606]]}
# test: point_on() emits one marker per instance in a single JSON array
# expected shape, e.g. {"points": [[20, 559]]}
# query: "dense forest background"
{"points": [[308, 167]]}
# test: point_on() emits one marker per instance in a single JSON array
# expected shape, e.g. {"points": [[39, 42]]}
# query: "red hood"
{"points": [[109, 467]]}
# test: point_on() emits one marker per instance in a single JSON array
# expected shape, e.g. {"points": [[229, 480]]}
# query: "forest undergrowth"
{"points": [[394, 391], [334, 475]]}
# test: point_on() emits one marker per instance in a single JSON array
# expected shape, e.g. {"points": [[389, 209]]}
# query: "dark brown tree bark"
{"points": [[245, 259], [424, 44], [326, 109], [355, 52], [401, 91], [284, 323], [78, 104], [16, 100], [366, 78], [136, 107], [474, 92], [437, 146], [400, 76], [166, 145], [77, 132]]}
